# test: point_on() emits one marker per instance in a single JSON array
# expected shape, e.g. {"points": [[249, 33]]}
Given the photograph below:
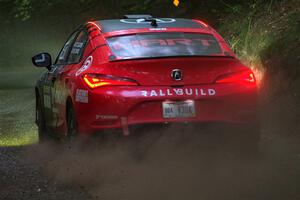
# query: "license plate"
{"points": [[181, 109]]}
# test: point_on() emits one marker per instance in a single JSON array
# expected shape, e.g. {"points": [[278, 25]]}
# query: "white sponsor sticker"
{"points": [[179, 92], [157, 29], [59, 94], [75, 51], [78, 45], [144, 21], [82, 96], [87, 63]]}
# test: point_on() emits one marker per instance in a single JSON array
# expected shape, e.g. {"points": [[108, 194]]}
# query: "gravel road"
{"points": [[21, 179], [168, 170]]}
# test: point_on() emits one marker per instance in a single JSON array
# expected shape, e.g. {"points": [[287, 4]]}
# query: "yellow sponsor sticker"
{"points": [[176, 2]]}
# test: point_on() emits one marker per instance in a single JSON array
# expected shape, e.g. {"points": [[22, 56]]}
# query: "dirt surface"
{"points": [[170, 167], [173, 163], [20, 179]]}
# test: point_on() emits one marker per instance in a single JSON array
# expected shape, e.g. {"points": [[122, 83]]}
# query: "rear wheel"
{"points": [[72, 127]]}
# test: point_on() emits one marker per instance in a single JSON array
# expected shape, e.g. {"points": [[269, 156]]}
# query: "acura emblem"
{"points": [[176, 75]]}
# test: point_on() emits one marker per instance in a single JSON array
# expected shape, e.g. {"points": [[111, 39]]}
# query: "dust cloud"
{"points": [[184, 161], [177, 162]]}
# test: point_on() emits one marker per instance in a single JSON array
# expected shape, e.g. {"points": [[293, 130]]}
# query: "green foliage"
{"points": [[22, 9], [263, 24]]}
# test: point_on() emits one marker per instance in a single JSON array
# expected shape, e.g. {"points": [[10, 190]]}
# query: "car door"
{"points": [[50, 82], [64, 77]]}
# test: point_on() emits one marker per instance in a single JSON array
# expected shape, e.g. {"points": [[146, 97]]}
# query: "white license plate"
{"points": [[180, 109]]}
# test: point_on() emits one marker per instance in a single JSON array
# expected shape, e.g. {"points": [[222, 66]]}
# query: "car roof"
{"points": [[125, 24]]}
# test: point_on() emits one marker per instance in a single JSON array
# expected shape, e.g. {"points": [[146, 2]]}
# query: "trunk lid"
{"points": [[158, 72]]}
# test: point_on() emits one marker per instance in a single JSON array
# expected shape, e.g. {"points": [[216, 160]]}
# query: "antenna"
{"points": [[153, 22]]}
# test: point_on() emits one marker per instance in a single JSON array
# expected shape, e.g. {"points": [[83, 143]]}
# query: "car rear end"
{"points": [[166, 75], [228, 98]]}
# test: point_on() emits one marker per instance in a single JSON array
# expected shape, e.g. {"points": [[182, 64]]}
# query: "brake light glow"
{"points": [[98, 80], [245, 76], [201, 22], [96, 25]]}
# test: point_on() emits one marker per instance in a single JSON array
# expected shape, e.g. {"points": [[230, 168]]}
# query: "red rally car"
{"points": [[113, 74]]}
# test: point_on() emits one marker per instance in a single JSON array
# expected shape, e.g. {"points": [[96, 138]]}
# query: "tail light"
{"points": [[98, 80], [244, 76]]}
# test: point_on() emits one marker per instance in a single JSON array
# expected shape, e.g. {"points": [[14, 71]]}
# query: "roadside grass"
{"points": [[17, 117], [18, 139], [17, 106], [265, 36], [255, 33]]}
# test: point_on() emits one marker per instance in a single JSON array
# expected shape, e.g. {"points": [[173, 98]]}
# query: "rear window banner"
{"points": [[164, 45]]}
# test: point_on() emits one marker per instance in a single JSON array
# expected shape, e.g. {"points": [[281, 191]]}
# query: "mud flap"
{"points": [[125, 127]]}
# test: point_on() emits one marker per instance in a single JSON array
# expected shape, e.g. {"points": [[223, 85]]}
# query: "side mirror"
{"points": [[42, 60]]}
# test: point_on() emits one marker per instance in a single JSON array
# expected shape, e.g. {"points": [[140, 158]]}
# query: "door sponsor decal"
{"points": [[59, 93], [87, 63], [46, 90], [82, 96], [178, 92], [47, 101]]}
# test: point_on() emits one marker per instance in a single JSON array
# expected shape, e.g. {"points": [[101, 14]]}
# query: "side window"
{"points": [[63, 55], [78, 47]]}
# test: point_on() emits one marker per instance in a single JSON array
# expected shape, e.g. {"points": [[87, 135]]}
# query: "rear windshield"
{"points": [[153, 45]]}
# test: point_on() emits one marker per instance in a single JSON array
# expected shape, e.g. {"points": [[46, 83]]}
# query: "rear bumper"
{"points": [[117, 107]]}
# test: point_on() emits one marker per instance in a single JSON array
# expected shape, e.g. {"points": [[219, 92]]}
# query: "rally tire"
{"points": [[72, 127]]}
